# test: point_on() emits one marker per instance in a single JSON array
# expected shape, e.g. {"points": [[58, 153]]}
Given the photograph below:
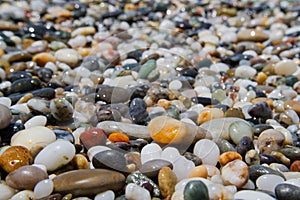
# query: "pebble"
{"points": [[208, 151], [38, 120], [194, 190], [110, 159], [285, 67], [68, 56], [252, 35], [6, 191], [268, 182], [43, 189], [37, 135], [23, 195], [107, 195], [256, 171], [15, 157], [166, 181], [284, 191], [227, 157], [238, 130], [235, 173], [198, 171], [55, 155], [5, 116], [270, 140], [252, 195], [25, 177], [88, 182], [93, 137], [135, 192]]}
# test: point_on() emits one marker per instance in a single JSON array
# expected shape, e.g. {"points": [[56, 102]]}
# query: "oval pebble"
{"points": [[6, 191], [56, 155], [252, 195], [107, 195], [285, 67], [43, 189], [37, 135], [23, 195], [5, 116], [268, 182], [208, 151], [135, 192], [38, 120]]}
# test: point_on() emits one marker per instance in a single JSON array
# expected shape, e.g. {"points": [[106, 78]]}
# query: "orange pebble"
{"points": [[164, 103], [118, 137], [229, 156], [295, 166], [198, 171]]}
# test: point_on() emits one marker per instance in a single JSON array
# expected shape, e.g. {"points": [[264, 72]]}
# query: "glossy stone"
{"points": [[260, 110], [270, 140], [25, 84], [224, 145], [88, 182], [190, 156], [112, 94], [137, 111], [61, 109], [110, 159], [256, 171], [229, 156], [245, 144], [291, 152], [287, 191], [238, 130], [198, 171], [208, 151], [151, 168], [252, 35], [25, 177], [268, 182], [166, 181], [93, 137], [15, 157], [194, 190], [235, 173]]}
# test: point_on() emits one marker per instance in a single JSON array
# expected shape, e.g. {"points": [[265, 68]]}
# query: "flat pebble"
{"points": [[68, 56], [43, 189], [285, 67]]}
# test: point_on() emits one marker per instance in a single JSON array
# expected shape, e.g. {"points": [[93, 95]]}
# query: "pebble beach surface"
{"points": [[149, 99]]}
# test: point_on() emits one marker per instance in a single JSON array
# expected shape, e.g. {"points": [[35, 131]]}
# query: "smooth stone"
{"points": [[96, 149], [182, 167], [270, 140], [38, 120], [235, 173], [235, 112], [23, 195], [224, 145], [132, 130], [25, 177], [194, 190], [43, 58], [259, 128], [240, 129], [5, 116], [93, 137], [170, 154], [110, 159], [43, 189], [5, 101], [143, 181], [166, 181], [260, 110], [252, 35], [150, 152], [55, 155], [80, 162], [6, 191], [209, 114], [219, 128], [107, 195], [30, 137], [256, 171], [25, 85], [207, 151], [229, 156], [245, 145], [198, 171], [295, 166], [135, 192], [294, 105], [245, 72], [279, 167], [268, 182], [252, 157], [285, 67], [252, 195], [190, 156], [151, 168], [15, 157], [287, 191], [39, 105], [137, 111], [61, 109], [88, 182], [146, 68], [68, 56], [63, 134], [291, 152]]}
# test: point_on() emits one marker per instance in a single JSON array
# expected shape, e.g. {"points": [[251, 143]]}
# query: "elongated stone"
{"points": [[256, 171], [146, 68], [88, 182], [132, 130], [252, 195], [238, 130], [287, 191], [110, 159], [25, 84], [111, 94], [252, 35], [167, 181]]}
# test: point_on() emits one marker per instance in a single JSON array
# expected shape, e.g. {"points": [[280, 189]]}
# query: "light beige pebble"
{"points": [[285, 67]]}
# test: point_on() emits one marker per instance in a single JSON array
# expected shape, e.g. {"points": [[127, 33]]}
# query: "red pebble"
{"points": [[93, 137]]}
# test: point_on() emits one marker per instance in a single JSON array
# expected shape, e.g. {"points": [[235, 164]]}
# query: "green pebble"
{"points": [[240, 129], [195, 190], [146, 68], [219, 94]]}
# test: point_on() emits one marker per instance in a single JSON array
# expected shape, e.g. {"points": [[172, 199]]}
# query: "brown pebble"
{"points": [[295, 166], [198, 171], [294, 105], [80, 162], [166, 181], [235, 112], [25, 177], [42, 59], [93, 137], [15, 157], [229, 156], [260, 99]]}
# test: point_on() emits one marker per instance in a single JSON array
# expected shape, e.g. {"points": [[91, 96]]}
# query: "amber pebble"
{"points": [[260, 99], [164, 103], [295, 166], [270, 140], [294, 105], [229, 156], [118, 137], [280, 156], [80, 162], [15, 157], [42, 59], [166, 181], [198, 171], [93, 137], [261, 78], [235, 112], [209, 114]]}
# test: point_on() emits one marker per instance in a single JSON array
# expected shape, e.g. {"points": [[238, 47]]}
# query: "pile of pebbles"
{"points": [[141, 99]]}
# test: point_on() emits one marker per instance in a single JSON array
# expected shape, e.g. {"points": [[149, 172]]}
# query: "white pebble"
{"points": [[208, 151], [5, 101], [285, 67], [175, 85], [219, 67], [268, 182], [170, 154], [78, 41], [96, 149], [135, 192], [32, 136], [6, 191], [39, 120], [43, 188], [23, 195], [150, 152], [55, 155], [245, 72], [182, 167], [68, 56], [294, 181], [107, 195], [21, 107], [252, 195]]}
